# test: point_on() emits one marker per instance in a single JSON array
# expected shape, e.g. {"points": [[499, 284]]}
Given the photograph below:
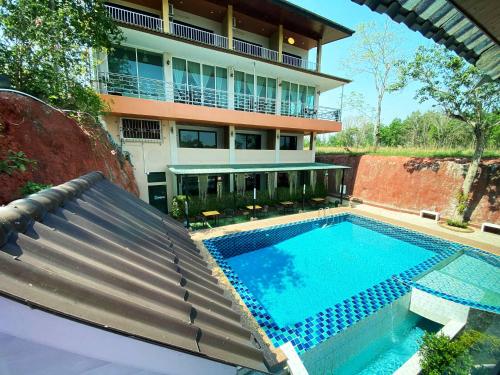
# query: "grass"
{"points": [[408, 151]]}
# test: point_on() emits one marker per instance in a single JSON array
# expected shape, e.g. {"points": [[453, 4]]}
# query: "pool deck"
{"points": [[484, 241]]}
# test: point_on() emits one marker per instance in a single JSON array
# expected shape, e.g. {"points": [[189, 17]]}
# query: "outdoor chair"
{"points": [[202, 219], [229, 214]]}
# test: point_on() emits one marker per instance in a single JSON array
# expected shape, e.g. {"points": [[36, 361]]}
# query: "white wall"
{"points": [[193, 19], [49, 344]]}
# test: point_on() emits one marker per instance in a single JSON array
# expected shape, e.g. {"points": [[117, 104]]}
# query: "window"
{"points": [[141, 129], [189, 185], [156, 177], [288, 142], [199, 84], [297, 100], [197, 139], [248, 141], [254, 93]]}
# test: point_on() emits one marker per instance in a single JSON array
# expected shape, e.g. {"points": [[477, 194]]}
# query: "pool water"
{"points": [[301, 276], [387, 353]]}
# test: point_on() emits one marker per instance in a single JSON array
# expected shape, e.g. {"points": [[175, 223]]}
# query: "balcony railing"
{"points": [[190, 33], [148, 88]]}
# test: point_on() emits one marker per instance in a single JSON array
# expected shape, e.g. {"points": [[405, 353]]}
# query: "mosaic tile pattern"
{"points": [[315, 329]]}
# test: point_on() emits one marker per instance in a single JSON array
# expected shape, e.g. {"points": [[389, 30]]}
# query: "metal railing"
{"points": [[198, 35], [298, 62], [148, 88], [253, 50], [205, 37], [135, 18]]}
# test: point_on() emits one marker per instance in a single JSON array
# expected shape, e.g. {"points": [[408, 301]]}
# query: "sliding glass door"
{"points": [[199, 84], [297, 100], [136, 73], [254, 93]]}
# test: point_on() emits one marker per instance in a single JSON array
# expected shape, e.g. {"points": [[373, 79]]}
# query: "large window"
{"points": [[248, 141], [199, 84], [297, 100], [141, 129], [134, 72], [197, 139], [254, 93], [288, 142], [250, 180]]}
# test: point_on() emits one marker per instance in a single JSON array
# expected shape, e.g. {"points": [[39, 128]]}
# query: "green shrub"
{"points": [[457, 224], [442, 355], [178, 206], [16, 161], [31, 187]]}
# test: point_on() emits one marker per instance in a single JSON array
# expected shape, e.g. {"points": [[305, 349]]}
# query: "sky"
{"points": [[335, 56]]}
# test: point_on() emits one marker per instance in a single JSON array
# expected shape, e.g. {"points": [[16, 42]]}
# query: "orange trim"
{"points": [[135, 107]]}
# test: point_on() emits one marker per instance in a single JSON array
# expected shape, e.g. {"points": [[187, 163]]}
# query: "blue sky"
{"points": [[350, 14]]}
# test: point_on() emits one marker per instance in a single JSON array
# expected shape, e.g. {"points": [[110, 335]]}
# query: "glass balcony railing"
{"points": [[148, 88], [205, 37]]}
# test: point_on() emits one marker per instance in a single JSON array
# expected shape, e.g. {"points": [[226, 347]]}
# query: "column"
{"points": [[173, 142], [230, 87], [312, 146], [228, 25], [277, 146], [280, 43], [232, 144], [319, 51], [278, 97], [165, 16]]}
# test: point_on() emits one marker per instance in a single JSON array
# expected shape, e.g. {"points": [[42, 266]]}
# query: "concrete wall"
{"points": [[413, 184]]}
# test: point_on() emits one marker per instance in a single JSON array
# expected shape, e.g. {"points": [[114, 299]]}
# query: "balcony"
{"points": [[201, 36], [147, 88]]}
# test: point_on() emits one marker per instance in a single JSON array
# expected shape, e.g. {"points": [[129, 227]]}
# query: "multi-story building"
{"points": [[201, 91]]}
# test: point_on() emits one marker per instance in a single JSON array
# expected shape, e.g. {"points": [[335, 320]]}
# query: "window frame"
{"points": [[289, 137], [246, 135], [140, 139], [198, 131]]}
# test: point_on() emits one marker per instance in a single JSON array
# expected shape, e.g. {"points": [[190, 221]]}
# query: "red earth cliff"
{"points": [[63, 149], [413, 184]]}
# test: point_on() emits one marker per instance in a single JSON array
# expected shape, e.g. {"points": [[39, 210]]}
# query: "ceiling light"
{"points": [[291, 40]]}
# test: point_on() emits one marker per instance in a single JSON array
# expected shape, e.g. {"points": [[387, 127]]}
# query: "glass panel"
{"points": [[302, 100], [188, 138], [180, 79], [249, 86], [253, 142], [271, 96], [311, 91], [190, 185], [285, 97], [212, 185], [122, 60], [150, 67], [221, 87], [157, 177], [288, 142], [240, 141], [239, 90], [194, 82], [209, 85], [261, 94], [293, 98], [207, 139], [158, 197]]}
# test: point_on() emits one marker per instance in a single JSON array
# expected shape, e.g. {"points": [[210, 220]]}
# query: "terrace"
{"points": [[156, 24]]}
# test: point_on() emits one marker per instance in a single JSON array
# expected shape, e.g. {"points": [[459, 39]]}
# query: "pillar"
{"points": [[173, 142], [228, 25], [312, 146], [277, 146], [319, 51], [278, 97], [168, 77], [280, 43], [232, 144], [165, 16]]}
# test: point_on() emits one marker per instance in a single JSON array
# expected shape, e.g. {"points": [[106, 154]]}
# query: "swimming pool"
{"points": [[307, 281]]}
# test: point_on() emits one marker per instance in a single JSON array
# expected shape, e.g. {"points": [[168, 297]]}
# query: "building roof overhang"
{"points": [[250, 168], [468, 27]]}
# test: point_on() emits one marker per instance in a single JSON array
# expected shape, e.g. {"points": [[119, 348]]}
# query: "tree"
{"points": [[44, 49], [376, 54], [465, 94]]}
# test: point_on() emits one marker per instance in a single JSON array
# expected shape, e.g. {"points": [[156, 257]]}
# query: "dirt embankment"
{"points": [[62, 148], [413, 184]]}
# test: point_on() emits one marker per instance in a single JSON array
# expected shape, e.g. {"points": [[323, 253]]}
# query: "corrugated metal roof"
{"points": [[445, 23], [91, 251]]}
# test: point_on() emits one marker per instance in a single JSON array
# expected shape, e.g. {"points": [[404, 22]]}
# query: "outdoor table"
{"points": [[257, 207], [212, 214], [318, 201], [286, 205]]}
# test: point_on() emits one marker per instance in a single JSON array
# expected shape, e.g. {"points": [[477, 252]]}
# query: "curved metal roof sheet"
{"points": [[445, 23], [93, 252]]}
